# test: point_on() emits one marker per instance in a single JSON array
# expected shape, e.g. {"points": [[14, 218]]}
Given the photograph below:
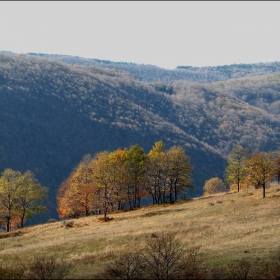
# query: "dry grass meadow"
{"points": [[226, 227]]}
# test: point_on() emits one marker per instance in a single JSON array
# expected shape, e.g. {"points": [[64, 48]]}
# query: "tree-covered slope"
{"points": [[262, 92], [53, 113], [154, 74], [219, 118]]}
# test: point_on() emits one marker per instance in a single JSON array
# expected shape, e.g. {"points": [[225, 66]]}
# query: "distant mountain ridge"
{"points": [[52, 113], [151, 73]]}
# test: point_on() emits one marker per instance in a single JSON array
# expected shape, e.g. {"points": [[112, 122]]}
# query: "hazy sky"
{"points": [[162, 33]]}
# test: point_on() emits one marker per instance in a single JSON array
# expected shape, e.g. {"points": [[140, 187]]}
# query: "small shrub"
{"points": [[11, 234], [214, 185], [127, 266], [153, 235], [193, 268], [52, 220], [108, 219], [218, 272], [240, 269], [47, 267], [68, 224], [11, 273], [273, 265]]}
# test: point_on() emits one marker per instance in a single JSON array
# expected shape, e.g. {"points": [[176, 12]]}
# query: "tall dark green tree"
{"points": [[136, 159]]}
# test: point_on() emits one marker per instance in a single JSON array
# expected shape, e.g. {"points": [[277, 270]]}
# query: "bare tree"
{"points": [[164, 257], [47, 267], [127, 266], [240, 269]]}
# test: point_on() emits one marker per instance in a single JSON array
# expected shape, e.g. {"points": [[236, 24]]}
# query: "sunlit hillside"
{"points": [[224, 228]]}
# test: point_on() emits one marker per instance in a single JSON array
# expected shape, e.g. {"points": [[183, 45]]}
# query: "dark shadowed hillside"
{"points": [[53, 113]]}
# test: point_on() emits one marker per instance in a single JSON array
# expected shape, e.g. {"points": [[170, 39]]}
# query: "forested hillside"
{"points": [[151, 73], [262, 92], [53, 113], [216, 117]]}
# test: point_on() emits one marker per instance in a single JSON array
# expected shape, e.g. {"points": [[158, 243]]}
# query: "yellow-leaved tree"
{"points": [[214, 185], [20, 195], [235, 171], [179, 172], [155, 174], [260, 169]]}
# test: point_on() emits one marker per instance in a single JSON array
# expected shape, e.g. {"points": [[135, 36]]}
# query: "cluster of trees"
{"points": [[246, 169], [118, 180], [257, 168], [20, 194]]}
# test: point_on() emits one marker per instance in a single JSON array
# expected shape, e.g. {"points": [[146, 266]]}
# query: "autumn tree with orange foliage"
{"points": [[76, 196]]}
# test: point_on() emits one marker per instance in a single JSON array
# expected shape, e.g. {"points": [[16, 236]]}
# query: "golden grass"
{"points": [[226, 227]]}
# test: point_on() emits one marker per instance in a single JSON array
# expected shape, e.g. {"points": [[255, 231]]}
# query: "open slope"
{"points": [[226, 227]]}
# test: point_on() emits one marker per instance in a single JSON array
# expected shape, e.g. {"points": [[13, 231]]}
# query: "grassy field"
{"points": [[226, 227]]}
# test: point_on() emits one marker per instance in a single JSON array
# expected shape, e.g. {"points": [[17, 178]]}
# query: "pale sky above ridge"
{"points": [[162, 33]]}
